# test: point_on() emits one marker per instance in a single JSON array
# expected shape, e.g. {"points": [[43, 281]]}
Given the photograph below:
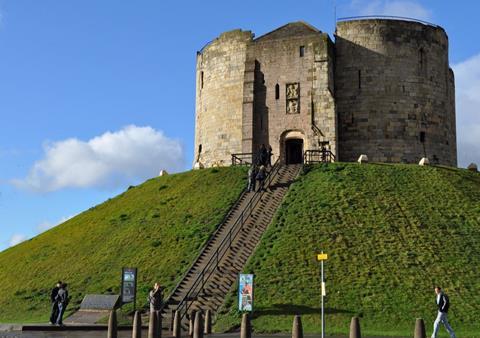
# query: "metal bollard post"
{"points": [[158, 331], [297, 329], [112, 325], [177, 327], [419, 329], [198, 325], [208, 322], [152, 323], [246, 327], [191, 323], [355, 328], [137, 326]]}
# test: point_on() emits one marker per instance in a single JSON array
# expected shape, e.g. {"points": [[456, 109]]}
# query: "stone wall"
{"points": [[219, 98], [394, 92], [294, 60]]}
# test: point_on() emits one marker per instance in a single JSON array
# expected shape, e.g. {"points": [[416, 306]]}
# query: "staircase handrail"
{"points": [[209, 240], [226, 243]]}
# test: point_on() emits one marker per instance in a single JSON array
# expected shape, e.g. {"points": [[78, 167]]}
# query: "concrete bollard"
{"points": [[355, 328], [198, 325], [297, 329], [208, 322], [177, 327], [419, 329], [152, 323], [137, 325], [191, 323], [112, 325], [158, 314], [246, 327]]}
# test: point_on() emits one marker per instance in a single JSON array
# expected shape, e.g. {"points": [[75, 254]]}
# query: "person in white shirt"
{"points": [[443, 303]]}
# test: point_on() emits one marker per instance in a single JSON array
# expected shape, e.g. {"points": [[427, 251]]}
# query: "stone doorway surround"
{"points": [[292, 146]]}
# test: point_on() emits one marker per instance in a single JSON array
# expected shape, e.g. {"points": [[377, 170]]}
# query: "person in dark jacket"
{"points": [[62, 300], [263, 155], [443, 303], [53, 300], [155, 297]]}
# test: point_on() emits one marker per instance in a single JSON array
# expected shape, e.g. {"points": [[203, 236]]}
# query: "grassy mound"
{"points": [[158, 226], [392, 232]]}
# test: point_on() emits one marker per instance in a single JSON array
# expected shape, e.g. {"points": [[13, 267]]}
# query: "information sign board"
{"points": [[129, 285], [245, 292]]}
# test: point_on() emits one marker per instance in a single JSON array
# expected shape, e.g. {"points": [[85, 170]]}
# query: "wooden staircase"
{"points": [[206, 283]]}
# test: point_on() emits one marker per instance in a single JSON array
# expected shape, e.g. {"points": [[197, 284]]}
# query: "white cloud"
{"points": [[17, 239], [467, 89], [112, 160], [46, 225], [405, 8]]}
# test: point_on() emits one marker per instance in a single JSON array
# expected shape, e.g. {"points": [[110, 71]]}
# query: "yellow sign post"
{"points": [[322, 257]]}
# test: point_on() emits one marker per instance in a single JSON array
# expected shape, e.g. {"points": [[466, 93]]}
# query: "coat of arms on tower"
{"points": [[293, 98]]}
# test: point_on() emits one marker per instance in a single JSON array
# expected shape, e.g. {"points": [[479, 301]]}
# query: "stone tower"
{"points": [[395, 92], [384, 89]]}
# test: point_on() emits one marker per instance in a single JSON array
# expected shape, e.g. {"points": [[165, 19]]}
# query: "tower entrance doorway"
{"points": [[293, 151]]}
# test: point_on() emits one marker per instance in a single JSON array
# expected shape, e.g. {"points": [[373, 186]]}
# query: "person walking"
{"points": [[62, 301], [155, 297], [53, 300], [261, 175], [252, 176], [443, 303]]}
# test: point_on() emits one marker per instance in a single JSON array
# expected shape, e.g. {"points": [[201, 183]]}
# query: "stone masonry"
{"points": [[383, 88]]}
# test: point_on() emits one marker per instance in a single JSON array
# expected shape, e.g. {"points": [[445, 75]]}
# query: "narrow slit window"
{"points": [[277, 91], [422, 60], [199, 148], [201, 80], [422, 137], [302, 51], [359, 79]]}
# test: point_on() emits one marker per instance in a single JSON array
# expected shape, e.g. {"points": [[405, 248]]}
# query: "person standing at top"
{"points": [[443, 303], [263, 155], [53, 300], [155, 297], [269, 156], [62, 300], [252, 173]]}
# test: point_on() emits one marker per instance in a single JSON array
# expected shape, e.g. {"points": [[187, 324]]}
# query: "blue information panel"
{"points": [[245, 293], [129, 285]]}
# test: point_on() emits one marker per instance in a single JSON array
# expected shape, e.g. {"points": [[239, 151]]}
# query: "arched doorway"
{"points": [[293, 151], [292, 143]]}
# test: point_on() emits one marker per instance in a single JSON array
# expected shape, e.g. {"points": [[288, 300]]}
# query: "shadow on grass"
{"points": [[292, 309]]}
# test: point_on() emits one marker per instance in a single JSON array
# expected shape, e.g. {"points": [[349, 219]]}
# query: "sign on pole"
{"points": [[321, 257], [245, 292], [129, 285]]}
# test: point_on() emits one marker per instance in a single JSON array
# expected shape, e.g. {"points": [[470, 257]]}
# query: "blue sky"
{"points": [[99, 95]]}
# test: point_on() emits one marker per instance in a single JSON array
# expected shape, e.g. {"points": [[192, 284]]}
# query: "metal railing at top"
{"points": [[210, 267], [242, 159], [367, 17], [318, 156]]}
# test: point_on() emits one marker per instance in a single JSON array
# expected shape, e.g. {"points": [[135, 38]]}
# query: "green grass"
{"points": [[158, 226], [392, 232]]}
